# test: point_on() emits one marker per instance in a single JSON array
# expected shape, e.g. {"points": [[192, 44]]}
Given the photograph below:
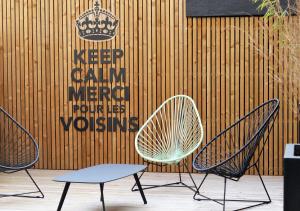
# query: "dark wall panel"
{"points": [[216, 8]]}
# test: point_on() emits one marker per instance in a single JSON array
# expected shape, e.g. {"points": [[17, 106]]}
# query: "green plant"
{"points": [[288, 26], [273, 7]]}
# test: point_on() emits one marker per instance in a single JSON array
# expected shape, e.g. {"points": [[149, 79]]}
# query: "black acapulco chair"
{"points": [[237, 149], [18, 151]]}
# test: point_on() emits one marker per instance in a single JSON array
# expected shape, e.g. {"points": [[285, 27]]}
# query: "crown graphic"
{"points": [[97, 24]]}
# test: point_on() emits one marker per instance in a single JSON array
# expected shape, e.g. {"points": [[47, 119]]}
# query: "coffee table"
{"points": [[100, 174]]}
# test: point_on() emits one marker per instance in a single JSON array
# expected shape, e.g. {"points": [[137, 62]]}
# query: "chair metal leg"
{"points": [[224, 200], [140, 188], [63, 196], [27, 194], [134, 186], [192, 179], [197, 191], [179, 172], [36, 185], [102, 195], [180, 183], [146, 187], [203, 196], [269, 198], [174, 184]]}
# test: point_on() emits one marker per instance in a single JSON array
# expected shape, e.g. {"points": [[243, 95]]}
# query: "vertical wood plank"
{"points": [[226, 64]]}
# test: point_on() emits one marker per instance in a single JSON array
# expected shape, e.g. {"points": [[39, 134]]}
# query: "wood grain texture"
{"points": [[225, 64]]}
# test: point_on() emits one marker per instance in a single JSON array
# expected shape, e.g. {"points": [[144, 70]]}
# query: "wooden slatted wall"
{"points": [[214, 60]]}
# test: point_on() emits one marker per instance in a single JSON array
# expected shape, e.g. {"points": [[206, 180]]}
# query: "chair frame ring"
{"points": [[242, 148], [32, 140], [178, 159]]}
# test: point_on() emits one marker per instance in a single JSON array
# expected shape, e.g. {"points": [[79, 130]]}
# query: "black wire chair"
{"points": [[237, 149], [18, 151]]}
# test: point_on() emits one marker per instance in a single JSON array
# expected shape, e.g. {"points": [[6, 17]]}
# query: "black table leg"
{"points": [[140, 187], [63, 196], [102, 195]]}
